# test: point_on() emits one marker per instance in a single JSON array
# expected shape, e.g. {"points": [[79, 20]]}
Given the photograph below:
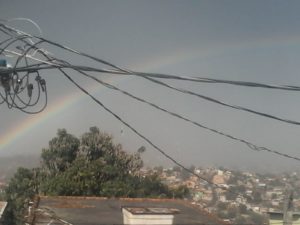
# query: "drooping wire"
{"points": [[133, 129], [252, 146], [210, 99], [237, 107], [121, 71], [149, 76], [14, 83], [160, 75]]}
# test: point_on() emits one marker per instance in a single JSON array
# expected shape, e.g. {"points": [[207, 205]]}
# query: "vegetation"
{"points": [[239, 214], [90, 166]]}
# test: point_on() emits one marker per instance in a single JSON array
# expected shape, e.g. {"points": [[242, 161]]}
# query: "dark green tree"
{"points": [[21, 189], [231, 193], [242, 209], [257, 218], [222, 206], [90, 166], [257, 197], [62, 151], [181, 192], [240, 220], [232, 212]]}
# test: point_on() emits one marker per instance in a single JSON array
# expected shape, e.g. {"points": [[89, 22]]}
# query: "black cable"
{"points": [[16, 90], [164, 76], [177, 89], [237, 107], [123, 72], [251, 145], [133, 129], [149, 141], [38, 84], [126, 71]]}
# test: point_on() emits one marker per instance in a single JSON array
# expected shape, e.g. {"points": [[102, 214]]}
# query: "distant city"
{"points": [[234, 196]]}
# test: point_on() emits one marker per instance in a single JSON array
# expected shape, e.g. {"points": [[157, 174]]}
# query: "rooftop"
{"points": [[281, 213], [98, 210], [145, 210]]}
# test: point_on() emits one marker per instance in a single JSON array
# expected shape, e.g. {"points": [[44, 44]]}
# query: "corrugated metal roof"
{"points": [[93, 210]]}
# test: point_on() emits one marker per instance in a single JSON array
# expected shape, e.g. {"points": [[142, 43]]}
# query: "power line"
{"points": [[207, 98], [250, 145], [136, 131], [161, 75], [59, 64], [15, 84], [237, 107], [132, 128], [184, 91]]}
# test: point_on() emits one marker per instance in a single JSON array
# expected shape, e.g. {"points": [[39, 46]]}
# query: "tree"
{"points": [[257, 197], [159, 169], [192, 168], [242, 209], [176, 169], [273, 196], [95, 145], [185, 174], [181, 191], [231, 193], [257, 218], [61, 152], [240, 220], [222, 206], [88, 166], [21, 189], [232, 212]]}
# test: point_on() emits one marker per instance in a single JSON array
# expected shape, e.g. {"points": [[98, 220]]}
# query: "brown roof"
{"points": [[98, 210]]}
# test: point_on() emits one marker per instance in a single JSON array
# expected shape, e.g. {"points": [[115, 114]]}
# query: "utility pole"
{"points": [[288, 207]]}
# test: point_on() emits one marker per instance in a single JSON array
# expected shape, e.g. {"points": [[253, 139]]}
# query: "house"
{"points": [[2, 209], [276, 217], [99, 210], [219, 180], [191, 184]]}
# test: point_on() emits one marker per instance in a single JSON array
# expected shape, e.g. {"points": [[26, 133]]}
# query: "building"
{"points": [[98, 210], [148, 216], [219, 180], [276, 218]]}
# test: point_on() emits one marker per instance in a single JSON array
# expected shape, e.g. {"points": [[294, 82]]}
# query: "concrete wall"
{"points": [[146, 219]]}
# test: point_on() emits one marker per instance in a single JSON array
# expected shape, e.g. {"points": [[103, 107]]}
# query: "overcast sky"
{"points": [[255, 41]]}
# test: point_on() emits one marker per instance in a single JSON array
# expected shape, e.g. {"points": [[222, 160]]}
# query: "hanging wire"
{"points": [[21, 90], [15, 89]]}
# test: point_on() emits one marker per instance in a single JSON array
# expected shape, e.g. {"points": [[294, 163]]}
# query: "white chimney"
{"points": [[147, 216]]}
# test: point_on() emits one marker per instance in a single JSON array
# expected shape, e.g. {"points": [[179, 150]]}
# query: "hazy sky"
{"points": [[255, 41]]}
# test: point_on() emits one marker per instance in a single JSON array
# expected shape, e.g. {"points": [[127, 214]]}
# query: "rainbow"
{"points": [[34, 121], [52, 110], [177, 56]]}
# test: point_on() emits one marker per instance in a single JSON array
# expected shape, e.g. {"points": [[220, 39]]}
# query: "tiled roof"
{"points": [[96, 210]]}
